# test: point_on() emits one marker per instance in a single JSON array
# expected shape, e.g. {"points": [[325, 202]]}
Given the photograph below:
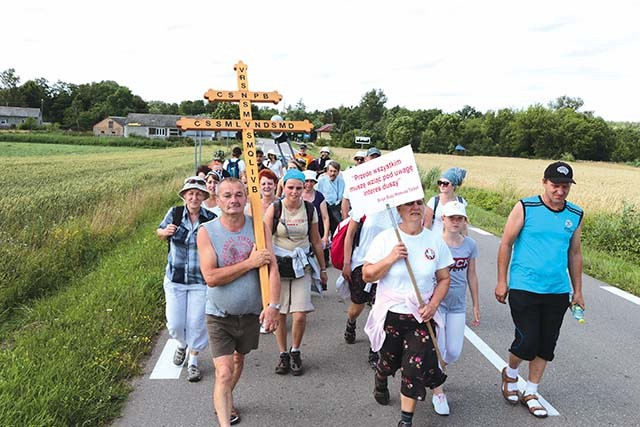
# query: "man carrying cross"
{"points": [[233, 308]]}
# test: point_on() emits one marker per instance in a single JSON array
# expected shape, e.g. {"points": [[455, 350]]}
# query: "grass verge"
{"points": [[70, 362]]}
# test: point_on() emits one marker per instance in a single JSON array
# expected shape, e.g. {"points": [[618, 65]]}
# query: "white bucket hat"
{"points": [[454, 208], [310, 176], [325, 150], [194, 182]]}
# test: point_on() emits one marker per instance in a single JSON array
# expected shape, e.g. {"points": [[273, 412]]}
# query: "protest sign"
{"points": [[390, 179]]}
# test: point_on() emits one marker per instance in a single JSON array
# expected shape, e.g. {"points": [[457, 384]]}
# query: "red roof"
{"points": [[325, 128]]}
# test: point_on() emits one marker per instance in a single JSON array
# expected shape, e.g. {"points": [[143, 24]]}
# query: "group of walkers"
{"points": [[412, 265]]}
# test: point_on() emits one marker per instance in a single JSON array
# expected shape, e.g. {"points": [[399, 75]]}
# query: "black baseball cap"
{"points": [[559, 173]]}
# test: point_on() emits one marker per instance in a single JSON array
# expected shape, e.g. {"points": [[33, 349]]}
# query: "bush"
{"points": [[615, 233]]}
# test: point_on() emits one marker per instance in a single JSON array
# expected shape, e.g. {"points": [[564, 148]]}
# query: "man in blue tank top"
{"points": [[546, 269], [229, 262]]}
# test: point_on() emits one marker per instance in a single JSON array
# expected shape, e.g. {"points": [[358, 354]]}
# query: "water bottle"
{"points": [[578, 313]]}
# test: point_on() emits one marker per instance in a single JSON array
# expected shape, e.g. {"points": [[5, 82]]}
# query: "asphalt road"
{"points": [[593, 381]]}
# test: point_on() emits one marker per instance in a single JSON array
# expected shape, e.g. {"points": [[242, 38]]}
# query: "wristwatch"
{"points": [[276, 306]]}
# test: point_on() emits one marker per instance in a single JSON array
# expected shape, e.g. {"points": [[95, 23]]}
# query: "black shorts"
{"points": [[537, 318], [357, 285]]}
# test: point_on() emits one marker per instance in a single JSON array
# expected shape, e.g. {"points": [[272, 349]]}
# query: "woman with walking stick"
{"points": [[413, 278]]}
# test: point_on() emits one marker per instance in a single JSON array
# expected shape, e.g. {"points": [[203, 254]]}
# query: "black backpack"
{"points": [[435, 205], [277, 213]]}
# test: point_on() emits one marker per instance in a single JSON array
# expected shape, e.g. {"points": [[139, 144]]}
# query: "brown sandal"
{"points": [[506, 393], [532, 409]]}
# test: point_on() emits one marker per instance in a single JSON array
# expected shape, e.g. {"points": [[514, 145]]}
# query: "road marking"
{"points": [[497, 361], [626, 295], [479, 231], [165, 369]]}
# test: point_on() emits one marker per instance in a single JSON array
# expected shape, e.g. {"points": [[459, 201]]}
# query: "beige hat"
{"points": [[194, 182], [325, 149], [360, 154], [310, 176]]}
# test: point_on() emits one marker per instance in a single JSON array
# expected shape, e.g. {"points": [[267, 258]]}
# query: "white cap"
{"points": [[310, 176], [454, 208], [325, 149], [362, 154]]}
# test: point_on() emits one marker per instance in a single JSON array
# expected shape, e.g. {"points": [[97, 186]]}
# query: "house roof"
{"points": [[119, 120], [159, 120], [19, 112], [325, 128]]}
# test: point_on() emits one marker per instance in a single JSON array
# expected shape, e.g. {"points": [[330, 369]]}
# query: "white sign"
{"points": [[363, 140], [390, 179]]}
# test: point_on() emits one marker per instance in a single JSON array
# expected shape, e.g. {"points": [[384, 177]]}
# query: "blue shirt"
{"points": [[540, 258], [183, 264], [331, 190]]}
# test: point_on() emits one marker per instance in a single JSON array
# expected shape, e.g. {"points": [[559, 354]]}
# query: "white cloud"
{"points": [[422, 54]]}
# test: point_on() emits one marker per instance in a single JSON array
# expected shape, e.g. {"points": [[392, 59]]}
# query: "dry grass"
{"points": [[601, 187]]}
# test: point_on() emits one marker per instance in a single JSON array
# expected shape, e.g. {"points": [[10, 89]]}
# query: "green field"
{"points": [[12, 149]]}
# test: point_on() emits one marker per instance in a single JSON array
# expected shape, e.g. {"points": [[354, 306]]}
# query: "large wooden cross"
{"points": [[247, 126]]}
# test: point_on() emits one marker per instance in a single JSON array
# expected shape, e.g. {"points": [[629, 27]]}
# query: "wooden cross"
{"points": [[247, 126]]}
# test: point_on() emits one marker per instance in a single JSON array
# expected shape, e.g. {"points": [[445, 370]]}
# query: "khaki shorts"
{"points": [[295, 295], [233, 333]]}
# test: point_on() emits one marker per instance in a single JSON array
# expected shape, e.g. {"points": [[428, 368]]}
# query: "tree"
{"points": [[565, 101], [9, 94], [402, 131], [469, 112], [442, 134]]}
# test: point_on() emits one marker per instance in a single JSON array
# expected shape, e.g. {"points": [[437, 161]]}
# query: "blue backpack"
{"points": [[233, 167]]}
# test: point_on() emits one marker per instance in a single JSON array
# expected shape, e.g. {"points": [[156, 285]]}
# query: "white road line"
{"points": [[479, 231], [165, 369], [497, 361], [626, 295]]}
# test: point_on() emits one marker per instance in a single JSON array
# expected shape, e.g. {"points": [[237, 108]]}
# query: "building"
{"points": [[152, 125], [12, 117], [324, 131], [111, 126]]}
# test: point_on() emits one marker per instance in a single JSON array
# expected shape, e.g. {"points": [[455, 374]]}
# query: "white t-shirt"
{"points": [[241, 165], [427, 254], [373, 225], [437, 226]]}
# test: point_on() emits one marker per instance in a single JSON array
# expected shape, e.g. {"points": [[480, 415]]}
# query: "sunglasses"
{"points": [[417, 202], [195, 181], [359, 159], [445, 183]]}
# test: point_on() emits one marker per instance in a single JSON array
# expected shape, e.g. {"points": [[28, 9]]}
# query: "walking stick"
{"points": [[417, 291]]}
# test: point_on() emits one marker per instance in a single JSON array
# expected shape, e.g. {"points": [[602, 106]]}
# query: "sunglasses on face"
{"points": [[417, 202], [444, 183], [195, 181], [359, 159]]}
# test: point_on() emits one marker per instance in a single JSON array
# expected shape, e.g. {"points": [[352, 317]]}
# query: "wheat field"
{"points": [[601, 187]]}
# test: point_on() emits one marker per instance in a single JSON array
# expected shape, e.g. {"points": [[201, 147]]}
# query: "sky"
{"points": [[422, 54]]}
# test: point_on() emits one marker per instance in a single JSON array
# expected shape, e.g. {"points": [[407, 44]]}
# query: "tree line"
{"points": [[558, 130]]}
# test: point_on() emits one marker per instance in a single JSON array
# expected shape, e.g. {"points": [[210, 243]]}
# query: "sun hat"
{"points": [[454, 208], [559, 173], [325, 149], [310, 176], [194, 182], [272, 151], [360, 154], [455, 176], [373, 151], [293, 174]]}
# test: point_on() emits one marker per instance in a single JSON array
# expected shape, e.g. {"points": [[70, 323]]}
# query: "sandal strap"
{"points": [[506, 378]]}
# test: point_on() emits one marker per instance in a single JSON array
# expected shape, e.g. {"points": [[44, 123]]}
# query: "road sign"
{"points": [[363, 140]]}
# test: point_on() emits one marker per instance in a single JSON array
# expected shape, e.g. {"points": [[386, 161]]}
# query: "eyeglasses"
{"points": [[418, 202], [195, 181], [359, 159], [445, 183]]}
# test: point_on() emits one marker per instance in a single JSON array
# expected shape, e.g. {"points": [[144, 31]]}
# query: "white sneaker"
{"points": [[440, 404], [263, 330]]}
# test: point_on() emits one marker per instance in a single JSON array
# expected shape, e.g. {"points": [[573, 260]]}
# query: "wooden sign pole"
{"points": [[247, 126]]}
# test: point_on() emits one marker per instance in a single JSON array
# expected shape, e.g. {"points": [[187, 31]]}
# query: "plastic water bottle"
{"points": [[578, 313]]}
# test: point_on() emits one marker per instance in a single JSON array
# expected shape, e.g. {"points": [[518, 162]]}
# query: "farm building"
{"points": [[11, 117], [324, 131], [152, 125], [111, 126]]}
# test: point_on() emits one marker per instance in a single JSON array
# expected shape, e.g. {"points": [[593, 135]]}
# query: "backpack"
{"points": [[336, 253], [233, 168], [277, 213], [176, 219], [435, 205]]}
